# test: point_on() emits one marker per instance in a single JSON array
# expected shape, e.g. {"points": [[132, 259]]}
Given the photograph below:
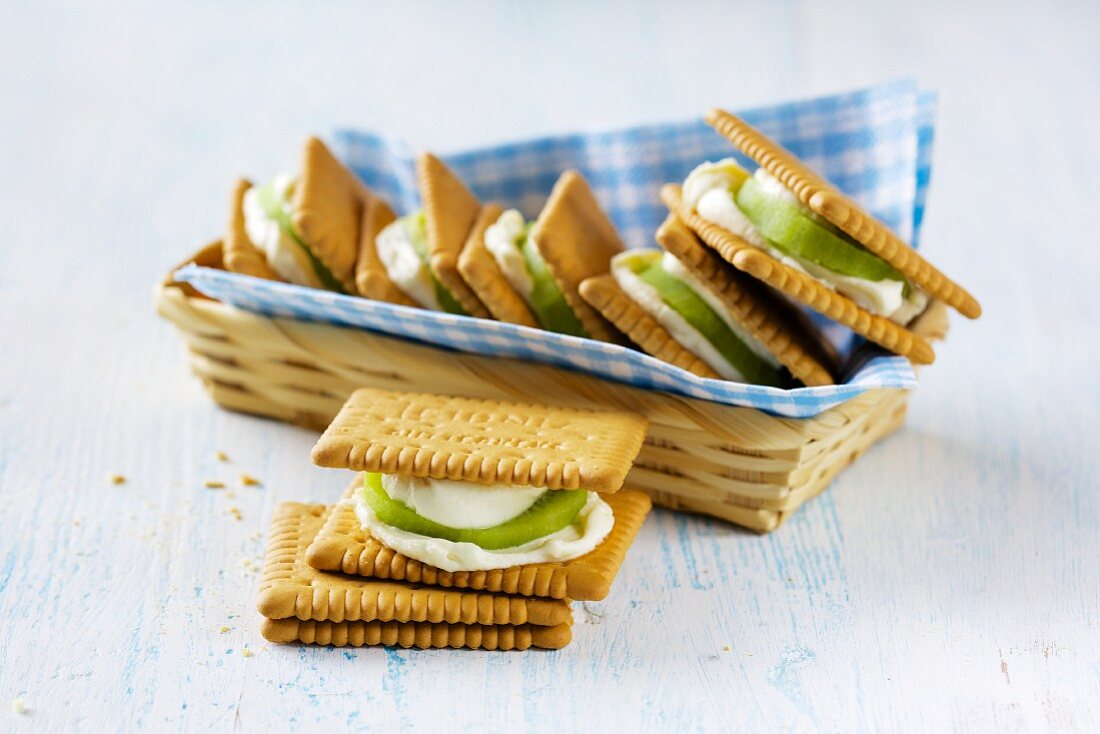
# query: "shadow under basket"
{"points": [[735, 463]]}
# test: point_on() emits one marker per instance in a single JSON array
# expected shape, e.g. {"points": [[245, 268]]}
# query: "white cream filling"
{"points": [[713, 201], [651, 302], [284, 255], [592, 525], [675, 268], [461, 504], [404, 266], [500, 240]]}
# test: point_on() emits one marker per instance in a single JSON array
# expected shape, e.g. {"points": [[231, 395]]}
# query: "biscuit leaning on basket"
{"points": [[240, 254], [788, 227], [688, 307], [302, 229], [371, 278], [530, 273], [413, 260]]}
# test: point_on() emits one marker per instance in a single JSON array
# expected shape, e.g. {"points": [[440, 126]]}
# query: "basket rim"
{"points": [[933, 324]]}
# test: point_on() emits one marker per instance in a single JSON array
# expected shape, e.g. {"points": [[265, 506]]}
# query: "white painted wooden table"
{"points": [[950, 581]]}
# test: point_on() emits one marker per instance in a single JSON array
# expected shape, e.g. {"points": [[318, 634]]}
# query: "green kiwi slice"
{"points": [[553, 510], [797, 234], [416, 229], [547, 300], [697, 312]]}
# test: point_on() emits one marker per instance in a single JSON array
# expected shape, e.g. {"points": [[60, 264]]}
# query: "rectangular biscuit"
{"points": [[371, 277], [343, 545], [480, 270], [241, 256], [450, 210], [291, 588], [828, 201], [577, 240], [326, 210], [800, 286], [604, 294], [422, 635], [486, 441], [782, 329]]}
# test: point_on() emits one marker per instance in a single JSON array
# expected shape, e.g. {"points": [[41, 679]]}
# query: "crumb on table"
{"points": [[213, 484], [19, 705], [221, 456], [250, 481], [116, 479]]}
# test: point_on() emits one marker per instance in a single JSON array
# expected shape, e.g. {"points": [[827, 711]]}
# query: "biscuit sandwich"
{"points": [[412, 260], [518, 507], [790, 228], [302, 229], [529, 273], [686, 306]]}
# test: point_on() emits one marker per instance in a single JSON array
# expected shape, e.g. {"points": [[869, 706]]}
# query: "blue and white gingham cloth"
{"points": [[875, 144]]}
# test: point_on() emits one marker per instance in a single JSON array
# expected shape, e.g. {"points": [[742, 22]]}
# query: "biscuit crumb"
{"points": [[246, 653], [116, 479], [213, 484], [725, 648], [223, 629], [221, 456], [235, 512], [250, 481], [19, 706]]}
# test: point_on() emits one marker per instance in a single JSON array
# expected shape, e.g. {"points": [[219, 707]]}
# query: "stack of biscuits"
{"points": [[329, 579]]}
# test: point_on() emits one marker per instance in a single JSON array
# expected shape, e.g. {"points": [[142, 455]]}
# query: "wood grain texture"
{"points": [[949, 581]]}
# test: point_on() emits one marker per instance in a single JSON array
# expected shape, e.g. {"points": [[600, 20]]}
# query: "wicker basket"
{"points": [[735, 463]]}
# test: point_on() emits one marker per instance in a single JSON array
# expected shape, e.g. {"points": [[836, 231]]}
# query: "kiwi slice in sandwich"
{"points": [[554, 510], [279, 210], [797, 234]]}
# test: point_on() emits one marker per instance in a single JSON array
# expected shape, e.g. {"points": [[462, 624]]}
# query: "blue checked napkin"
{"points": [[875, 144]]}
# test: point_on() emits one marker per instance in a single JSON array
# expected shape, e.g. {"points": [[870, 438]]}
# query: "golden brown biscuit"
{"points": [[799, 286], [825, 199], [423, 635], [371, 277], [577, 241], [487, 441], [781, 329], [480, 270], [605, 295], [326, 210], [343, 545], [450, 210], [292, 588], [241, 256]]}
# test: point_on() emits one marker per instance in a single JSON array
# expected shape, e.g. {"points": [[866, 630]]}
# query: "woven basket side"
{"points": [[735, 463], [344, 359]]}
